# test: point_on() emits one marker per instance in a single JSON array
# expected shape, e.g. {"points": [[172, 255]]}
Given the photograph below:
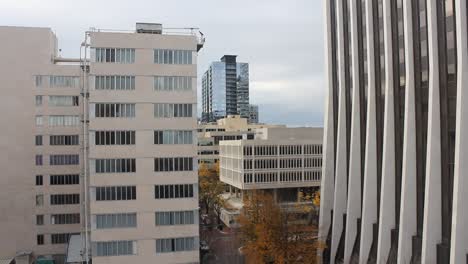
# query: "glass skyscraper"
{"points": [[225, 89]]}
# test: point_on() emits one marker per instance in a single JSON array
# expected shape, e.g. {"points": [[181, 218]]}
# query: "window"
{"points": [[38, 160], [39, 121], [39, 219], [38, 140], [64, 120], [115, 193], [64, 219], [114, 110], [115, 248], [38, 81], [176, 244], [59, 199], [114, 83], [66, 179], [59, 100], [116, 220], [173, 191], [173, 83], [173, 137], [115, 165], [119, 137], [64, 140], [39, 200], [64, 160], [39, 181], [173, 164], [111, 55], [38, 100], [162, 56], [61, 238], [175, 218], [172, 110], [40, 239], [64, 81]]}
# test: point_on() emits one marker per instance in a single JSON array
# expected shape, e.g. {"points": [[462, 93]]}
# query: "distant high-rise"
{"points": [[395, 150], [253, 114], [225, 89]]}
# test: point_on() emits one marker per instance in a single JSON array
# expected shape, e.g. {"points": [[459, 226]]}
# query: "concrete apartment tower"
{"points": [[395, 160], [105, 146]]}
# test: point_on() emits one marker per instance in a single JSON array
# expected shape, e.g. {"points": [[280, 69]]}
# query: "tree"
{"points": [[271, 234], [210, 189]]}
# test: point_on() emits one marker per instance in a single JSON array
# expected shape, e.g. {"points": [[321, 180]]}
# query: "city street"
{"points": [[223, 246]]}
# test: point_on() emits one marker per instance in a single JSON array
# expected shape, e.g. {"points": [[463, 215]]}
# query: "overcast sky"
{"points": [[282, 40]]}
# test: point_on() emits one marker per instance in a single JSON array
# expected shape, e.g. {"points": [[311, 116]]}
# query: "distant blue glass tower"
{"points": [[225, 89]]}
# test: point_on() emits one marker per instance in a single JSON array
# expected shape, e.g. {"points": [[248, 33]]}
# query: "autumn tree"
{"points": [[211, 189], [271, 234]]}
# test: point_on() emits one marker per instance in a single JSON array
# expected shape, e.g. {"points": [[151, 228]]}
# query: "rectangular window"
{"points": [[64, 81], [64, 120], [114, 82], [59, 100], [61, 238], [39, 121], [173, 191], [173, 164], [38, 80], [113, 55], [64, 140], [64, 160], [38, 140], [38, 100], [60, 199], [39, 219], [115, 165], [66, 179], [164, 110], [175, 218], [115, 248], [38, 160], [39, 180], [39, 200], [40, 239], [115, 193], [119, 137], [114, 110], [123, 220], [172, 83], [166, 245], [164, 56], [65, 219], [173, 137]]}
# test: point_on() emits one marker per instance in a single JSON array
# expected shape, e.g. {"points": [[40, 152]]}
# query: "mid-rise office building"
{"points": [[284, 162], [105, 146], [394, 177], [225, 89], [253, 114]]}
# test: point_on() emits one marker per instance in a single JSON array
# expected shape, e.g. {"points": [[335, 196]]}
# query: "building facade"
{"points": [[106, 143], [253, 114], [393, 143], [282, 161], [225, 89]]}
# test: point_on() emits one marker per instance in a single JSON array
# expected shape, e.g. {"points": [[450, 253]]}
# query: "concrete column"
{"points": [[432, 231], [408, 220], [354, 182], [339, 205], [387, 191], [369, 204], [459, 243], [328, 169]]}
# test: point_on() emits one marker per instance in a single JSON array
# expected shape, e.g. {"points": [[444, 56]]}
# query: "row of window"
{"points": [[312, 175], [283, 150], [172, 191], [164, 110], [290, 163], [290, 176], [115, 165], [114, 110], [61, 238], [58, 81], [59, 120], [59, 100], [115, 193], [114, 82], [166, 56], [65, 219], [173, 164], [173, 137], [172, 83], [61, 140], [114, 248], [313, 162], [68, 159], [64, 179], [119, 137], [313, 149], [115, 55], [123, 220], [176, 244], [175, 218], [284, 176], [60, 199]]}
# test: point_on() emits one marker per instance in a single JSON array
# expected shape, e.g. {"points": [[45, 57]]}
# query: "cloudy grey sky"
{"points": [[281, 39]]}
